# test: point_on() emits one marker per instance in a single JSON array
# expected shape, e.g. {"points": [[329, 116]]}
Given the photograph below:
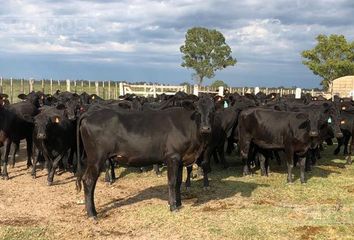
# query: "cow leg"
{"points": [[188, 180], [110, 175], [349, 159], [302, 162], [290, 162], [174, 175], [54, 165], [29, 141], [5, 175], [221, 152], [205, 179], [34, 166], [340, 143], [215, 156], [89, 182], [244, 152], [308, 166], [346, 143], [156, 168], [262, 162], [17, 146]]}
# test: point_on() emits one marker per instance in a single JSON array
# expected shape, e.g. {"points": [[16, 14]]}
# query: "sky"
{"points": [[139, 40]]}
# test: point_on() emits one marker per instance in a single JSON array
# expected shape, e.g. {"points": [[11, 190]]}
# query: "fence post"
{"points": [[154, 90], [109, 90], [89, 86], [103, 90], [42, 85], [195, 90], [121, 89], [59, 85], [243, 91], [11, 91], [97, 90], [116, 91], [312, 92], [75, 86], [256, 90], [221, 91], [30, 82], [298, 93], [51, 86], [82, 86], [68, 85], [1, 89]]}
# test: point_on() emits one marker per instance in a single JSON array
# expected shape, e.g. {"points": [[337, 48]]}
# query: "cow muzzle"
{"points": [[41, 136], [205, 129], [313, 134]]}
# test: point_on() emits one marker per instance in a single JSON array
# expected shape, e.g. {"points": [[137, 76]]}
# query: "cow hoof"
{"points": [[80, 202], [206, 188], [49, 183], [174, 208], [6, 177], [158, 175], [34, 176], [93, 219], [303, 182]]}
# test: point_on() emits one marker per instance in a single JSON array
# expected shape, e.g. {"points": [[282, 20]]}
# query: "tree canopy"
{"points": [[331, 58], [205, 51], [218, 83]]}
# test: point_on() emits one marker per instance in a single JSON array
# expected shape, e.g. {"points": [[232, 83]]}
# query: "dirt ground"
{"points": [[135, 207]]}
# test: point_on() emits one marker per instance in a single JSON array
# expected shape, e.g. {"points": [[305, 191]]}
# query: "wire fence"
{"points": [[113, 89]]}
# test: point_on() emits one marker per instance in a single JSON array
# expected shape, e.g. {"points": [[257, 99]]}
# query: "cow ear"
{"points": [[3, 95], [55, 119], [75, 95], [301, 116], [22, 96], [60, 107]]}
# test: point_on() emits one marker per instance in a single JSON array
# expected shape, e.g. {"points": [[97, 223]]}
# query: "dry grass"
{"points": [[135, 207]]}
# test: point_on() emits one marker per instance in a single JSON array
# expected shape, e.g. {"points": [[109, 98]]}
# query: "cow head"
{"points": [[332, 116], [50, 117], [35, 98], [205, 110]]}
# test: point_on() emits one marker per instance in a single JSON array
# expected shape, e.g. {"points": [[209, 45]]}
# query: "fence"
{"points": [[112, 90]]}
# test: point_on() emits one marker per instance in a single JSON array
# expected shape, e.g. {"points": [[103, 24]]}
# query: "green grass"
{"points": [[23, 233]]}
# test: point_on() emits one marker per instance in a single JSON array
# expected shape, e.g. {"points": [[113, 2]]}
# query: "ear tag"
{"points": [[272, 96], [56, 120], [93, 97], [329, 120], [226, 105]]}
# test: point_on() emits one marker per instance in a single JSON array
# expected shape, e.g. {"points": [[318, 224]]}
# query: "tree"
{"points": [[185, 84], [218, 83], [331, 58], [205, 51]]}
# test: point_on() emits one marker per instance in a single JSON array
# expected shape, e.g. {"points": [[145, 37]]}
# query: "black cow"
{"points": [[54, 136], [292, 132], [175, 136]]}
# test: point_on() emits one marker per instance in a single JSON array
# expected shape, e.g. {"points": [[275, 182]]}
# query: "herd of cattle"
{"points": [[86, 135]]}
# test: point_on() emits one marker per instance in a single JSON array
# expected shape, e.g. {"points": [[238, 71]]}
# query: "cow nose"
{"points": [[205, 129], [313, 134], [41, 136], [339, 135]]}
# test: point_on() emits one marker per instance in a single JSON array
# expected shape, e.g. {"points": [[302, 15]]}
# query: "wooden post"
{"points": [[104, 90], [1, 89], [59, 85], [75, 86], [243, 91], [30, 82], [97, 90], [121, 89], [68, 85], [42, 85], [89, 90], [51, 86], [11, 91], [116, 90], [109, 90], [82, 86], [195, 90]]}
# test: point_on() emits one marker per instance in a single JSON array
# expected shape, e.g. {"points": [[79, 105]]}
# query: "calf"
{"points": [[54, 136]]}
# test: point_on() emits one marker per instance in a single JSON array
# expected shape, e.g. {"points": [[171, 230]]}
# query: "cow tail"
{"points": [[79, 172]]}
